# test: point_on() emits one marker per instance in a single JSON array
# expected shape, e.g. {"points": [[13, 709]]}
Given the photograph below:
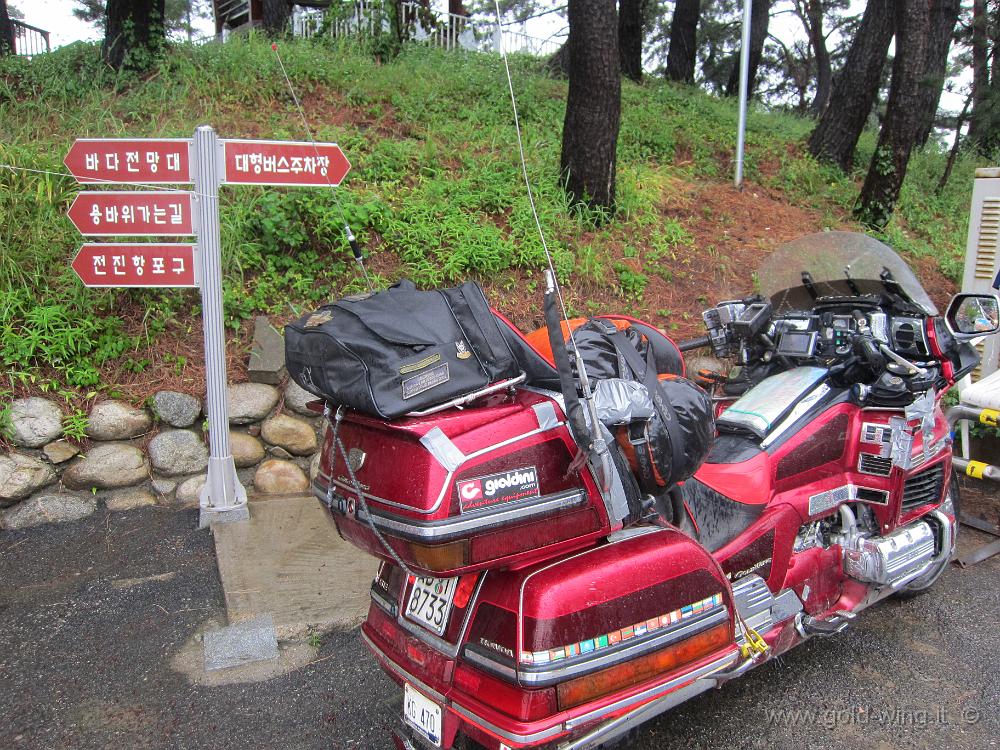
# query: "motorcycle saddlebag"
{"points": [[400, 350]]}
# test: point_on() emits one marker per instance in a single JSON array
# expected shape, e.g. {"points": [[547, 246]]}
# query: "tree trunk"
{"points": [[682, 54], [980, 121], [275, 17], [134, 33], [944, 16], [760, 16], [593, 107], [903, 121], [456, 8], [630, 38], [855, 88], [6, 31], [824, 71], [558, 65]]}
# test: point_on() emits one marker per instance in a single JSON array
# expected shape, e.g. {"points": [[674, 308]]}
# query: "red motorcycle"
{"points": [[552, 573]]}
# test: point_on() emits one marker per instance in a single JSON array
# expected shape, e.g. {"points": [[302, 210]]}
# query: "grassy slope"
{"points": [[435, 194]]}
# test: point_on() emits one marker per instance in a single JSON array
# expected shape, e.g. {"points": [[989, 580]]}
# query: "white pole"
{"points": [[223, 497], [744, 77]]}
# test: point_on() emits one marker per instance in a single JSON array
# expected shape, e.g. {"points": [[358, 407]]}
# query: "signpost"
{"points": [[113, 264], [118, 213], [162, 161], [284, 163], [207, 162]]}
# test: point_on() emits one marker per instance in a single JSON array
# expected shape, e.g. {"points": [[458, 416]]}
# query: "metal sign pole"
{"points": [[223, 497], [744, 79]]}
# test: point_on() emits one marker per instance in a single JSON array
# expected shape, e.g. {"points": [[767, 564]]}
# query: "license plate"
{"points": [[430, 602], [422, 714]]}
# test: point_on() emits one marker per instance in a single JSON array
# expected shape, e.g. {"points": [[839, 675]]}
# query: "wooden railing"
{"points": [[29, 40]]}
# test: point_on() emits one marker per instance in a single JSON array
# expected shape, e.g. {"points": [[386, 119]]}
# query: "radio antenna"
{"points": [[597, 442], [351, 239]]}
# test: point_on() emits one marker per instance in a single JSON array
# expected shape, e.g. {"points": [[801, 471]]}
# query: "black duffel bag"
{"points": [[400, 350]]}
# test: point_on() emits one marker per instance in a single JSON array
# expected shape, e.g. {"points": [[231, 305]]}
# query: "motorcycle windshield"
{"points": [[835, 260]]}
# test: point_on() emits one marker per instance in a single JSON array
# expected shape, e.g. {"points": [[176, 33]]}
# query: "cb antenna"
{"points": [[351, 239], [593, 436]]}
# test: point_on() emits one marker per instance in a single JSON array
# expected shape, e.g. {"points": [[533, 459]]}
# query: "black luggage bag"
{"points": [[398, 351]]}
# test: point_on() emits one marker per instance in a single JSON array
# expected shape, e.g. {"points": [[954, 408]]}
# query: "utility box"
{"points": [[982, 257]]}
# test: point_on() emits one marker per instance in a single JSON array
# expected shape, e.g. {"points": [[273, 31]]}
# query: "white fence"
{"points": [[446, 30]]}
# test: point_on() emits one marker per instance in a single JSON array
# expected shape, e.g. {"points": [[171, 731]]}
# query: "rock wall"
{"points": [[152, 455]]}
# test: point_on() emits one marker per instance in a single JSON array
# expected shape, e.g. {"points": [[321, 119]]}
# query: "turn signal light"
{"points": [[635, 671], [440, 557]]}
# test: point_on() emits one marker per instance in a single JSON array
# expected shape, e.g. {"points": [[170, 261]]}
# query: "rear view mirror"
{"points": [[973, 315]]}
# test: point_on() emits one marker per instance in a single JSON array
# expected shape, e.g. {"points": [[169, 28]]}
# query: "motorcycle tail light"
{"points": [[524, 705], [439, 557], [635, 671]]}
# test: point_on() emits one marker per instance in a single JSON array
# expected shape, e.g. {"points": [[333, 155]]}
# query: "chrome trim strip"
{"points": [[566, 669], [446, 529]]}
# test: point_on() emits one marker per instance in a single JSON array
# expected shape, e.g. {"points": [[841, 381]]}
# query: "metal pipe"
{"points": [[744, 80]]}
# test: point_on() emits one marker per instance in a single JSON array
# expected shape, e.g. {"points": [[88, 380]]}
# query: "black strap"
{"points": [[638, 436], [646, 373]]}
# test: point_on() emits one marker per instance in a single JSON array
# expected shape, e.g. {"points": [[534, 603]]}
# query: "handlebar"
{"points": [[691, 344]]}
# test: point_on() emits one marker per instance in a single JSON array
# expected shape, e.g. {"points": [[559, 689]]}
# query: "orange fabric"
{"points": [[539, 339]]}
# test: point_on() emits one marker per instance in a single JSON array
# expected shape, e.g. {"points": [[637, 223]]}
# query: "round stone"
{"points": [[314, 466], [175, 452], [176, 409], [48, 509], [189, 491], [107, 466], [277, 477], [296, 398], [34, 422], [129, 499], [22, 475], [251, 402], [60, 451], [247, 450], [164, 486], [115, 420], [292, 434]]}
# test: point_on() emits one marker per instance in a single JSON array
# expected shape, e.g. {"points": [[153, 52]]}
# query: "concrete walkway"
{"points": [[288, 562]]}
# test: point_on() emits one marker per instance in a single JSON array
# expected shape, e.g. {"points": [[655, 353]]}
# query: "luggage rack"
{"points": [[470, 397]]}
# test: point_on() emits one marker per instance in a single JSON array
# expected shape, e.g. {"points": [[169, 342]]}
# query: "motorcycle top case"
{"points": [[399, 350], [491, 486]]}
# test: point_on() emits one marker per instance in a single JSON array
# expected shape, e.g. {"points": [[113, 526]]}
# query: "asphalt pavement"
{"points": [[95, 615]]}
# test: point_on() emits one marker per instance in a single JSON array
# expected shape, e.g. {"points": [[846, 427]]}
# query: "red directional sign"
{"points": [[284, 163], [145, 160], [118, 213], [112, 264]]}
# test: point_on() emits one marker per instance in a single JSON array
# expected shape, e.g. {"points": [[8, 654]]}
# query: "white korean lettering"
{"points": [[118, 262], [132, 161], [111, 162], [158, 267], [138, 261], [153, 160], [92, 162], [100, 262], [178, 266]]}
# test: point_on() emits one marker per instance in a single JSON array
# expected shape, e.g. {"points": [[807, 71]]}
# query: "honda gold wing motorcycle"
{"points": [[575, 537]]}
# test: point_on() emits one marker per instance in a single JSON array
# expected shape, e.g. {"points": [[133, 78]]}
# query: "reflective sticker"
{"points": [[976, 469], [990, 417]]}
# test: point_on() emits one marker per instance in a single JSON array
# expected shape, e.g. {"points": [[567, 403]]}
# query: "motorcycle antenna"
{"points": [[351, 239], [579, 427]]}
